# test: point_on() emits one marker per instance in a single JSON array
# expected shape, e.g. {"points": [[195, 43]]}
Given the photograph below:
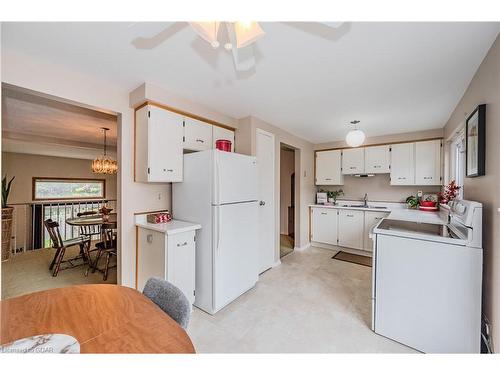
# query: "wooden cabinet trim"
{"points": [[184, 113], [379, 144]]}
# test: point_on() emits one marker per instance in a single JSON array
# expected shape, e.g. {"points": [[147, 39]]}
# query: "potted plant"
{"points": [[333, 195], [6, 218], [450, 192]]}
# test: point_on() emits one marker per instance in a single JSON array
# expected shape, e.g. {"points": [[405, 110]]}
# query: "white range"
{"points": [[427, 281]]}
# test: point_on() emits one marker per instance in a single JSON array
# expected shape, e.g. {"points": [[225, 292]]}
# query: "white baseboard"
{"points": [[302, 248]]}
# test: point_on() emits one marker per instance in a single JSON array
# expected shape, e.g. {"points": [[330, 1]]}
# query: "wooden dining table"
{"points": [[103, 318], [90, 220]]}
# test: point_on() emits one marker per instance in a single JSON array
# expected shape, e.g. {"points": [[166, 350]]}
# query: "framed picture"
{"points": [[475, 142]]}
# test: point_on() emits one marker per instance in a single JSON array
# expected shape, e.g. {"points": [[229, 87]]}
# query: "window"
{"points": [[67, 188], [457, 161]]}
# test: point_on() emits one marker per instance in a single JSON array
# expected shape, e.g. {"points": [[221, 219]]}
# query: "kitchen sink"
{"points": [[363, 206]]}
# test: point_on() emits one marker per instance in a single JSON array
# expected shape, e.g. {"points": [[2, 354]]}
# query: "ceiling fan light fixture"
{"points": [[247, 33], [355, 137], [208, 31]]}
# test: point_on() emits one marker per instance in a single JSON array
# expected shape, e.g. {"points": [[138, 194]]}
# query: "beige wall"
{"points": [[304, 172], [287, 158], [485, 89], [378, 187], [25, 167]]}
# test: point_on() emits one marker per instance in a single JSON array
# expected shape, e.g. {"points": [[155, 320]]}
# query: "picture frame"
{"points": [[475, 142]]}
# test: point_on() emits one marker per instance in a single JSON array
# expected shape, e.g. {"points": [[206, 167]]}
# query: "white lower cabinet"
{"points": [[170, 257], [324, 225], [350, 228], [372, 218]]}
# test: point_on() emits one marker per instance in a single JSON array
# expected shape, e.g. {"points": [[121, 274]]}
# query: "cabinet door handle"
{"points": [[349, 215], [182, 244], [324, 213], [200, 140], [377, 166], [427, 178], [352, 167], [401, 178], [168, 170], [328, 179]]}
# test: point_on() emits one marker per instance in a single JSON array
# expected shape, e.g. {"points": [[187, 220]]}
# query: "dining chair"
{"points": [[106, 246], [170, 299], [61, 245]]}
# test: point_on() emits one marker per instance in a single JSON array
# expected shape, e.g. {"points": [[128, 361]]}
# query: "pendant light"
{"points": [[104, 164], [355, 137]]}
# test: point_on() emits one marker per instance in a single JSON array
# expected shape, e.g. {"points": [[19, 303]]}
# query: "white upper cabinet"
{"points": [[221, 133], [329, 168], [197, 135], [353, 161], [377, 159], [324, 225], [403, 164], [350, 228], [428, 162], [158, 145]]}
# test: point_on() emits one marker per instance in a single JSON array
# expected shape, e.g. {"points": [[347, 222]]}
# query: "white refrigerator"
{"points": [[219, 191]]}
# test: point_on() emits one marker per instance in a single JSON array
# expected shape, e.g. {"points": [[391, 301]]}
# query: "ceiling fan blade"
{"points": [[243, 58], [207, 30], [154, 41]]}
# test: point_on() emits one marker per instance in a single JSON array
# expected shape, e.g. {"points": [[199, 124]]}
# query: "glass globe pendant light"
{"points": [[104, 164], [355, 137]]}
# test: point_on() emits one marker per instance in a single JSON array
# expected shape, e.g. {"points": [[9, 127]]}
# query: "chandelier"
{"points": [[104, 164]]}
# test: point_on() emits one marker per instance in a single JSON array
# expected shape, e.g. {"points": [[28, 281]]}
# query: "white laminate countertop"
{"points": [[172, 227], [398, 211]]}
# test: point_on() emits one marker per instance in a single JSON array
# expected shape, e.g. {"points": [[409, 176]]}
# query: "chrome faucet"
{"points": [[365, 200]]}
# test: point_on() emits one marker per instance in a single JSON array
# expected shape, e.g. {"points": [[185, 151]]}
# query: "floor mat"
{"points": [[353, 258]]}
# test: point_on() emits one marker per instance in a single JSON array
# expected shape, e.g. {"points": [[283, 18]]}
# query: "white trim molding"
{"points": [[302, 248]]}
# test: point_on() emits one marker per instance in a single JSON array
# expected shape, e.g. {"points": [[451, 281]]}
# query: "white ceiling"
{"points": [[311, 81]]}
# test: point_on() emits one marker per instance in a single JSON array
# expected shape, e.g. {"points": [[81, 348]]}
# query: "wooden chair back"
{"points": [[108, 235], [53, 229]]}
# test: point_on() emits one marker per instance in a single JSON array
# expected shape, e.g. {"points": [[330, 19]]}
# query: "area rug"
{"points": [[353, 258]]}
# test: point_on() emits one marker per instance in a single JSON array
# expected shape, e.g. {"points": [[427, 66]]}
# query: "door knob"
{"points": [[262, 203]]}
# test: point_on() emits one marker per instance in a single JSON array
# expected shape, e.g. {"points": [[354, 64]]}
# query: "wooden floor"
{"points": [[29, 272], [286, 245]]}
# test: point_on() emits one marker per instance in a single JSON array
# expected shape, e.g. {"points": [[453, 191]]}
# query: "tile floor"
{"points": [[29, 272], [310, 303]]}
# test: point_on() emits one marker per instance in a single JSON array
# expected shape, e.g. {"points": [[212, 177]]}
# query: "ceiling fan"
{"points": [[238, 37]]}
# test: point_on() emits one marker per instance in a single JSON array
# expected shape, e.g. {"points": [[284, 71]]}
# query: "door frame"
{"points": [[296, 218], [275, 193]]}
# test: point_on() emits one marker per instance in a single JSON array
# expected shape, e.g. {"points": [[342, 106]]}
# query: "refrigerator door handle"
{"points": [[218, 232]]}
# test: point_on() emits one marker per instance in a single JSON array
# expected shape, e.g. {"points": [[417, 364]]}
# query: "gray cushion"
{"points": [[170, 299]]}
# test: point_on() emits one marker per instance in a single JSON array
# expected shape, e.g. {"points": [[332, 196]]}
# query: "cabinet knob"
{"points": [[182, 244], [262, 203], [200, 140]]}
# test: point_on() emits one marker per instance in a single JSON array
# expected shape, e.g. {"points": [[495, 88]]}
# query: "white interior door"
{"points": [[266, 179]]}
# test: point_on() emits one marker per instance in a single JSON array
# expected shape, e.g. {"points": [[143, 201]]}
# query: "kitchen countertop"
{"points": [[172, 227], [398, 211]]}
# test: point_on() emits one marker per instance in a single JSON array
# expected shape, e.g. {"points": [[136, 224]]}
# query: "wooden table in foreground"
{"points": [[103, 318]]}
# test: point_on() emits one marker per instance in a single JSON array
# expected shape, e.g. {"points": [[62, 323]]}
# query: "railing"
{"points": [[28, 231]]}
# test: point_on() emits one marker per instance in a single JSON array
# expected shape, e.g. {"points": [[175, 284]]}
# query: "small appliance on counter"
{"points": [[321, 198], [159, 217]]}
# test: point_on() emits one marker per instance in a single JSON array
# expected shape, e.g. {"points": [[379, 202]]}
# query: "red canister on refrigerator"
{"points": [[223, 145]]}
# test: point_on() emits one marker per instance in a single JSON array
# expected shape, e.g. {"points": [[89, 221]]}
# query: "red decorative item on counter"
{"points": [[223, 145], [159, 217], [450, 192]]}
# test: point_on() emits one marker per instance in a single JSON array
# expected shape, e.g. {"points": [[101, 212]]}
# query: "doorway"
{"points": [[287, 199], [63, 200]]}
